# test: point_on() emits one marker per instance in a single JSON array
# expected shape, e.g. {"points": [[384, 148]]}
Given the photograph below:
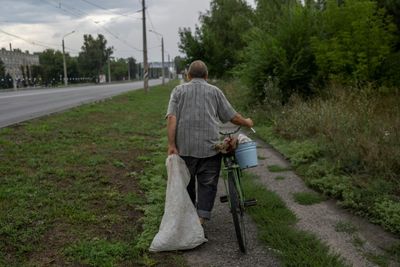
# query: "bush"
{"points": [[280, 62], [353, 41], [345, 144], [359, 131], [388, 214]]}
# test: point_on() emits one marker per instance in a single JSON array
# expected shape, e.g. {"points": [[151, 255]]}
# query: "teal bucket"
{"points": [[246, 155]]}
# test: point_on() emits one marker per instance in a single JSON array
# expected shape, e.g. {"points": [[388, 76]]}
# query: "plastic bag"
{"points": [[180, 227], [243, 139]]}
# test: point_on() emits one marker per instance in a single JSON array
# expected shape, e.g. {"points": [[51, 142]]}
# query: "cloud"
{"points": [[45, 22]]}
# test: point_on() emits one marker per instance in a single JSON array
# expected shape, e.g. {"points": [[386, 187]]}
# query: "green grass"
{"points": [[277, 229], [277, 168], [345, 227], [85, 187], [308, 198], [280, 177]]}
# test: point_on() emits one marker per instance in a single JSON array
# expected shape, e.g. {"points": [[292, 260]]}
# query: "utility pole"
{"points": [[64, 62], [162, 64], [129, 70], [162, 55], [109, 70], [146, 66], [169, 68]]}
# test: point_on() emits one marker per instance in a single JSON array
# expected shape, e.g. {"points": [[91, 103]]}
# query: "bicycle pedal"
{"points": [[223, 199], [250, 202]]}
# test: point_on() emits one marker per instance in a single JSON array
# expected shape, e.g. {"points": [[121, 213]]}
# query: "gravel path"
{"points": [[222, 248], [322, 219]]}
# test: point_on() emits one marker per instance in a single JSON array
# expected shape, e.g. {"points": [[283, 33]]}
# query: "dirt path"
{"points": [[222, 249], [322, 219]]}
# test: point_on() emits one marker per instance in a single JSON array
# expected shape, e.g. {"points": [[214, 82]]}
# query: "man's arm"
{"points": [[171, 129], [239, 120]]}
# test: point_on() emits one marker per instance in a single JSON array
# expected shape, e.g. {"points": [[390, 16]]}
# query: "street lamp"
{"points": [[65, 64], [162, 53]]}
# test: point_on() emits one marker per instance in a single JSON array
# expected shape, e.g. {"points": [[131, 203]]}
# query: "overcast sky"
{"points": [[43, 23]]}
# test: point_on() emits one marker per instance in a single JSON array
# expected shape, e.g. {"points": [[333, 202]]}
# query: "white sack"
{"points": [[243, 139], [180, 227]]}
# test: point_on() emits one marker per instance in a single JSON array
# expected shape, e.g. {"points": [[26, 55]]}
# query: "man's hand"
{"points": [[172, 150], [249, 122], [239, 120], [171, 129]]}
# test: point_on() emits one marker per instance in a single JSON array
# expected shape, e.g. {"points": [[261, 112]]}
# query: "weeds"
{"points": [[344, 143], [308, 198], [277, 229], [277, 168], [345, 227]]}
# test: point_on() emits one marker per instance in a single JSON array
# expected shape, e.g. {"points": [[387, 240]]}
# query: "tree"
{"points": [[94, 55], [119, 69], [219, 38], [179, 63], [191, 44], [278, 60], [52, 69], [132, 67], [393, 9], [354, 40], [5, 81], [2, 69]]}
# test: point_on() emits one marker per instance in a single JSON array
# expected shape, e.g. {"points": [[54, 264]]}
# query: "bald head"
{"points": [[198, 69]]}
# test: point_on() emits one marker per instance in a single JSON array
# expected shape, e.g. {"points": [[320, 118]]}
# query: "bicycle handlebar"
{"points": [[230, 133], [235, 131]]}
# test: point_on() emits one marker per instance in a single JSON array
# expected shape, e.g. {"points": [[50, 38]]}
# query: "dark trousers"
{"points": [[206, 172]]}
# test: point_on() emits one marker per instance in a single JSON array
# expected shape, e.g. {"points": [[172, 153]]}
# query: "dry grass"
{"points": [[361, 131]]}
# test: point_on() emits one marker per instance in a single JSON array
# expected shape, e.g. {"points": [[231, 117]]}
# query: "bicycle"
{"points": [[235, 194]]}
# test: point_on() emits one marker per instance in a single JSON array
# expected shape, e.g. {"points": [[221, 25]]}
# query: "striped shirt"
{"points": [[199, 109]]}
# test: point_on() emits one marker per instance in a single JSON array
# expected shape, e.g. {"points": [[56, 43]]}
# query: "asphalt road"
{"points": [[18, 106]]}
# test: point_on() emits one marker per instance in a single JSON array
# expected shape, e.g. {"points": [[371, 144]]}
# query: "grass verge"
{"points": [[276, 225], [308, 198], [277, 168], [86, 186]]}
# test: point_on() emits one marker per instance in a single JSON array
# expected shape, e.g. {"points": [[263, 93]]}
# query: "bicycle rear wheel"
{"points": [[237, 212]]}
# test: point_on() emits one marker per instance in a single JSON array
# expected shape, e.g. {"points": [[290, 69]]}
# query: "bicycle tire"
{"points": [[237, 212]]}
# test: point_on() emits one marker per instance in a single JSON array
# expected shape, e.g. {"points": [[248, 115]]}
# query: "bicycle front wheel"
{"points": [[237, 212]]}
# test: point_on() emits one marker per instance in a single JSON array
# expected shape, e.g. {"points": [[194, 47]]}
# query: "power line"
{"points": [[36, 43], [26, 40], [106, 9], [95, 22]]}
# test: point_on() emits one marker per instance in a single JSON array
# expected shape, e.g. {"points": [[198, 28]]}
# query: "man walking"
{"points": [[194, 114]]}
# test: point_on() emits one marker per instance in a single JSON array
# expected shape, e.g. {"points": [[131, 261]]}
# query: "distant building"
{"points": [[18, 64]]}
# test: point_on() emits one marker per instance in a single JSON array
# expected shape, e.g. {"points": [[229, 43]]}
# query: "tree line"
{"points": [[284, 47], [86, 67]]}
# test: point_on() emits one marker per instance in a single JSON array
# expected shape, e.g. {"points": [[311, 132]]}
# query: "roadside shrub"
{"points": [[358, 130], [345, 144], [278, 60], [353, 41], [388, 214], [237, 93], [301, 152], [332, 185]]}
